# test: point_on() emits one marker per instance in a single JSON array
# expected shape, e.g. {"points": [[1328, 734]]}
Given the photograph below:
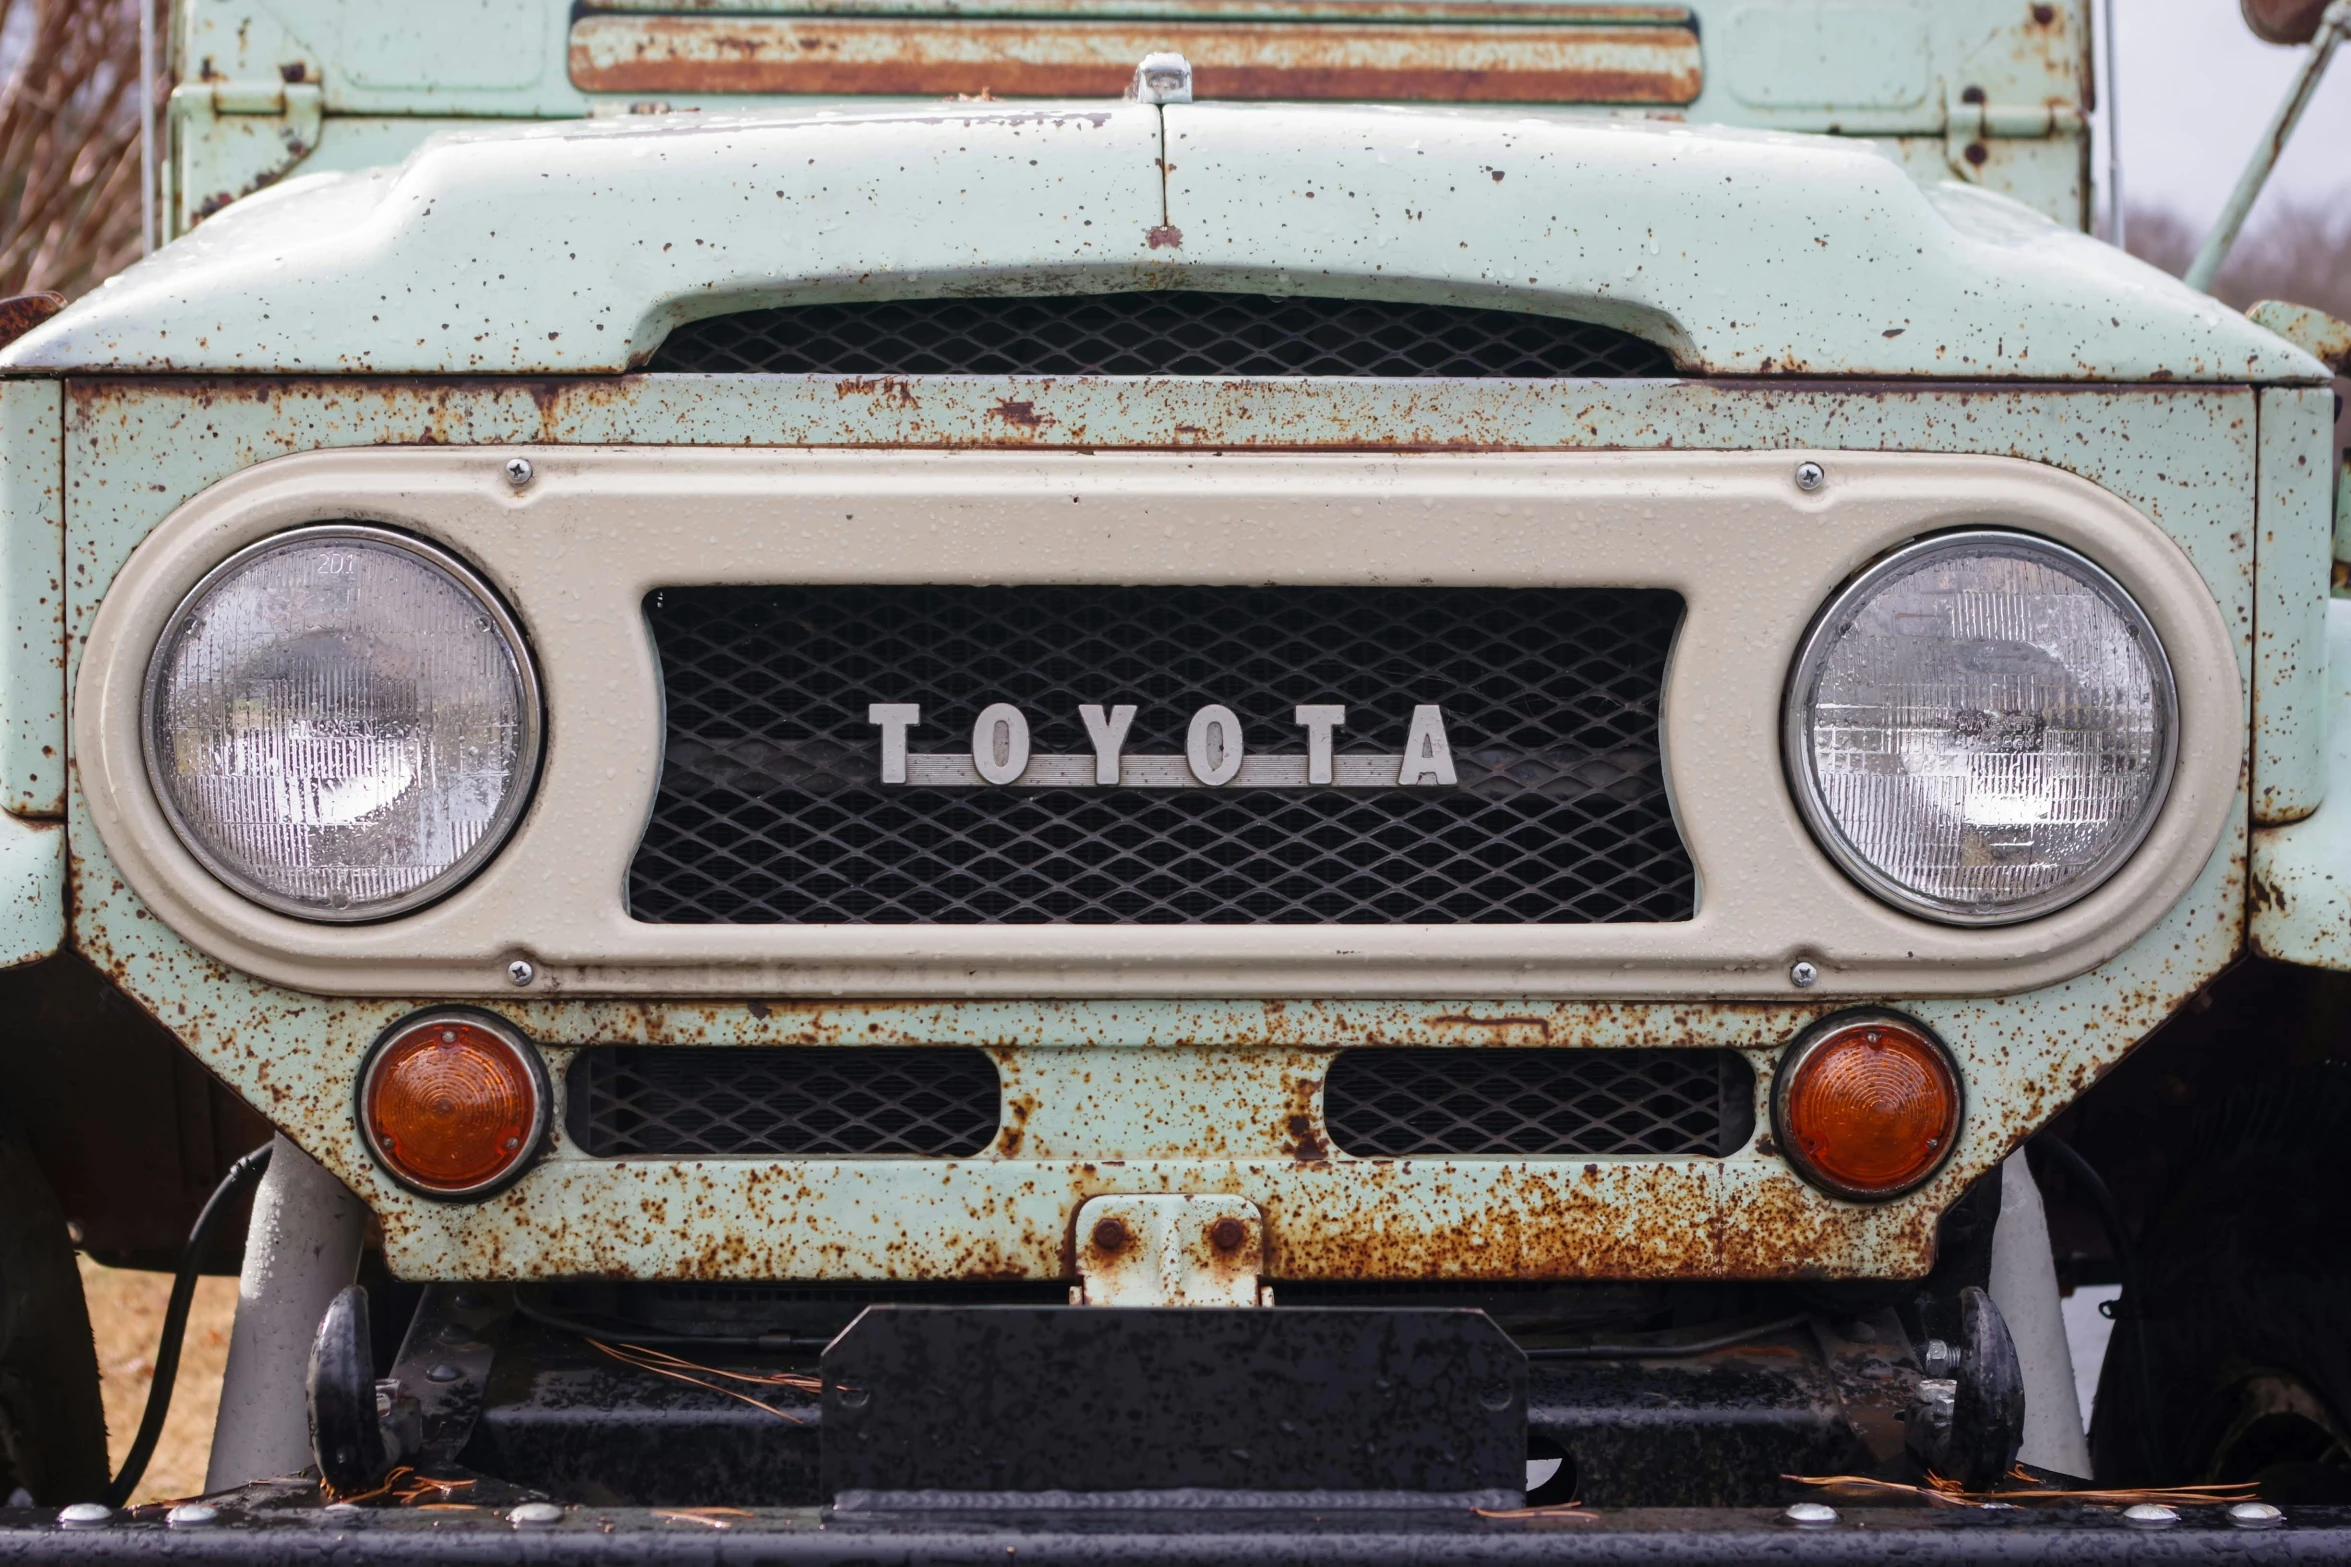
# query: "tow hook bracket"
{"points": [[1305, 1404], [1170, 1250]]}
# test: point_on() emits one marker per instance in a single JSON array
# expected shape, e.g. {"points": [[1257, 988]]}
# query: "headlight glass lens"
{"points": [[342, 722], [1981, 727]]}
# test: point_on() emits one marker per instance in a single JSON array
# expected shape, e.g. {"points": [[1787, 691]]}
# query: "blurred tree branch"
{"points": [[69, 142]]}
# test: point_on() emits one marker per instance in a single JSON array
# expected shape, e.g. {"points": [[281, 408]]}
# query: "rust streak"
{"points": [[1652, 65]]}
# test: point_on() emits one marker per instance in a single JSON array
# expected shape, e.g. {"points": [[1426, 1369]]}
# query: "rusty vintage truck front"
{"points": [[832, 768]]}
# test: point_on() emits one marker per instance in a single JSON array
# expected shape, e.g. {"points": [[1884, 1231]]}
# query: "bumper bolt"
{"points": [[1810, 1515], [83, 1514], [1228, 1234], [1110, 1235], [535, 1515], [191, 1515], [2255, 1515], [2150, 1515]]}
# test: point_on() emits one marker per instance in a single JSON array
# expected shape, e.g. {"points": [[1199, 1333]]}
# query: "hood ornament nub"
{"points": [[1162, 78]]}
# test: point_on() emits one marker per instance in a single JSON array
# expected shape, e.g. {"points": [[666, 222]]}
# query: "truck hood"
{"points": [[575, 247]]}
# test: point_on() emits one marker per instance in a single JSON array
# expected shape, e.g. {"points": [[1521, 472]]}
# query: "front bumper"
{"points": [[266, 1526]]}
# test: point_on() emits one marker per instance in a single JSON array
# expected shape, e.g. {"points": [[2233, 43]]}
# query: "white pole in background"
{"points": [[146, 126], [2113, 98]]}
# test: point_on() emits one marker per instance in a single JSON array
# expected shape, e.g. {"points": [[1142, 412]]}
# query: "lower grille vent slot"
{"points": [[942, 1102], [1390, 1103]]}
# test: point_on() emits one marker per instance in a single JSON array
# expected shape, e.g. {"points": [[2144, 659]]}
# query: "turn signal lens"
{"points": [[1867, 1106], [453, 1106]]}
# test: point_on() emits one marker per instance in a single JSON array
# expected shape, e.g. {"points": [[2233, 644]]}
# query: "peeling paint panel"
{"points": [[1036, 58], [2181, 454], [2293, 558], [32, 598], [473, 258], [2301, 872], [32, 889]]}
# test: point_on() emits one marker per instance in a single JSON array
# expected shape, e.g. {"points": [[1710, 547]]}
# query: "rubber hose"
{"points": [[242, 1174]]}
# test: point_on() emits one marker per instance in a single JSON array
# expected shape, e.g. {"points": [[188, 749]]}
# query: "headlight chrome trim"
{"points": [[529, 752], [1804, 780]]}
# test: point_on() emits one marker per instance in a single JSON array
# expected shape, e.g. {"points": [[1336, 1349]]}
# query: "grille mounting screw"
{"points": [[519, 471], [1809, 476], [1803, 975], [520, 972]]}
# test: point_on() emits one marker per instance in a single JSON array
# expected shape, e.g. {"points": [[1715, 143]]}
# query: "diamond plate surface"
{"points": [[667, 1101], [1154, 333], [1388, 1103], [769, 809]]}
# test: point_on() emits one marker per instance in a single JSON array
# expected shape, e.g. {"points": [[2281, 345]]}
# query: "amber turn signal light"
{"points": [[1867, 1105], [453, 1104]]}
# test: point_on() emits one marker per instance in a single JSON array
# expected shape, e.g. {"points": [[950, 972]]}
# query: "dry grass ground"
{"points": [[126, 1316]]}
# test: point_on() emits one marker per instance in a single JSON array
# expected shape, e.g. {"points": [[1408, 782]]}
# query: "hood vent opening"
{"points": [[1155, 332]]}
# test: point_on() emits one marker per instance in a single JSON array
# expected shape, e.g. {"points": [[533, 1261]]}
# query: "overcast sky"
{"points": [[2197, 90]]}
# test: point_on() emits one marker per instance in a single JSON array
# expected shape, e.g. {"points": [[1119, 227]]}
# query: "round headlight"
{"points": [[1981, 727], [341, 722]]}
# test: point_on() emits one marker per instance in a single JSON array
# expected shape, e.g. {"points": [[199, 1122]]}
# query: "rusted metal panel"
{"points": [[2182, 454], [1034, 58], [2293, 560], [2301, 872], [1506, 11], [32, 889], [32, 598], [474, 257]]}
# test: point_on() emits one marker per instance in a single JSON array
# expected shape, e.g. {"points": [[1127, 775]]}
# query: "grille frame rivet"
{"points": [[520, 973], [1803, 974], [519, 471], [1810, 476]]}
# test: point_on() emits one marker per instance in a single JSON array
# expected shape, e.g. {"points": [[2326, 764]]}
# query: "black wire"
{"points": [[1665, 1351], [175, 1322], [2133, 1303]]}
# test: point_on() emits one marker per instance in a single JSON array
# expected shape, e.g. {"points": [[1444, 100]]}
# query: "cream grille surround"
{"points": [[576, 550]]}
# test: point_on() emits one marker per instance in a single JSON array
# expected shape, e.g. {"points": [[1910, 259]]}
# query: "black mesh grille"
{"points": [[671, 1101], [1154, 333], [770, 810], [1389, 1103]]}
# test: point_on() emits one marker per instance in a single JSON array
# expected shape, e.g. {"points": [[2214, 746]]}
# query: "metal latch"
{"points": [[1162, 1250]]}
